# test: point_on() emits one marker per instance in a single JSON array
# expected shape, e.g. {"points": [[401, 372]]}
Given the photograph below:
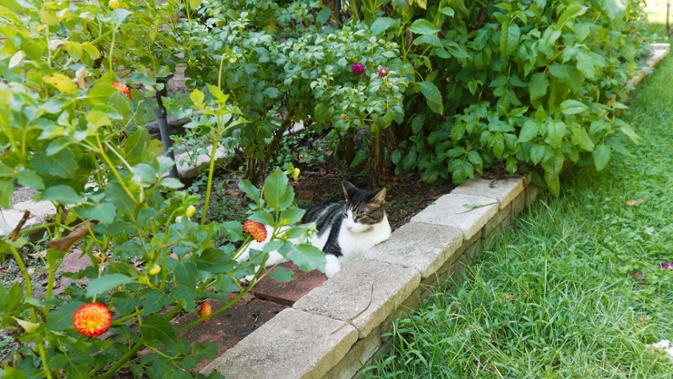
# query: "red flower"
{"points": [[206, 309], [358, 68], [383, 72], [92, 319], [255, 229], [123, 88]]}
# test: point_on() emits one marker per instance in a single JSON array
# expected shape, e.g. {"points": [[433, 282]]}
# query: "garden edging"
{"points": [[334, 329]]}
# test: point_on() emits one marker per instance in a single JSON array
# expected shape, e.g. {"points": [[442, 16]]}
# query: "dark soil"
{"points": [[321, 184]]}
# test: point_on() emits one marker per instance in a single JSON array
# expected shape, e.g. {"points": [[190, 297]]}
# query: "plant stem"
{"points": [[122, 361]]}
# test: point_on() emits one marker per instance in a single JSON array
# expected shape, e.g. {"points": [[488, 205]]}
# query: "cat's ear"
{"points": [[379, 199], [349, 189]]}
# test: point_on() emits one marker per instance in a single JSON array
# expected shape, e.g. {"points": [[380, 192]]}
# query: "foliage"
{"points": [[525, 83], [282, 64], [68, 136]]}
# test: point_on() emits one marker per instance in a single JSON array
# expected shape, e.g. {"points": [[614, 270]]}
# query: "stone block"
{"points": [[495, 222], [421, 246], [519, 204], [292, 345], [503, 190], [363, 294], [361, 353], [465, 212]]}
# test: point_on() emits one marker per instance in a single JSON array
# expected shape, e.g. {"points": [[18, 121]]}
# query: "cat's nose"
{"points": [[349, 226]]}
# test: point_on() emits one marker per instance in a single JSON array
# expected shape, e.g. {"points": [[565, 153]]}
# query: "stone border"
{"points": [[338, 326]]}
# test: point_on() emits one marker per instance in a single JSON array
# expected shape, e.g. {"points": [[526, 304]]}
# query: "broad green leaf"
{"points": [[214, 260], [601, 156], [158, 328], [448, 11], [382, 24], [553, 183], [171, 183], [423, 26], [61, 317], [186, 274], [98, 118], [537, 153], [106, 282], [281, 274], [6, 190], [61, 164], [433, 96], [104, 212], [197, 98], [538, 85], [529, 130], [120, 15], [249, 189], [323, 16], [194, 4], [306, 257], [509, 39], [556, 130], [99, 94], [115, 194], [573, 107], [275, 188], [291, 216], [74, 50], [61, 82], [61, 194], [571, 12], [30, 178], [581, 138], [629, 132]]}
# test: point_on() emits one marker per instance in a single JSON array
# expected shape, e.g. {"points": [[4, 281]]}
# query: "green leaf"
{"points": [[186, 274], [448, 11], [382, 24], [629, 132], [197, 98], [171, 183], [104, 212], [581, 138], [158, 328], [275, 188], [107, 282], [74, 50], [281, 274], [509, 39], [433, 96], [556, 131], [570, 106], [572, 11], [423, 26], [323, 16], [529, 130], [291, 216], [98, 118], [538, 85], [120, 15], [30, 178], [61, 317], [553, 183], [249, 189], [61, 194], [601, 156], [6, 191], [306, 257], [61, 164], [214, 260], [99, 94]]}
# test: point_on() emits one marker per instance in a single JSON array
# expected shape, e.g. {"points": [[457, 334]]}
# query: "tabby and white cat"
{"points": [[344, 231]]}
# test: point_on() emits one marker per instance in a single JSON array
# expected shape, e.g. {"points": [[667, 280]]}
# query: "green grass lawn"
{"points": [[576, 288]]}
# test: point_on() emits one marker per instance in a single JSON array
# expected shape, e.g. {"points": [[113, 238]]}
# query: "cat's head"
{"points": [[363, 208]]}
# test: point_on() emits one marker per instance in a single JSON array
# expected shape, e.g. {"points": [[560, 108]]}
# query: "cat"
{"points": [[344, 231]]}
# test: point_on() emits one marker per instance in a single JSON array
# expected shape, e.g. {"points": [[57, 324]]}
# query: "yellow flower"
{"points": [[190, 211]]}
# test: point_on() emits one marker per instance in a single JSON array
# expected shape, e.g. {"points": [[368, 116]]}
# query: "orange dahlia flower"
{"points": [[92, 319]]}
